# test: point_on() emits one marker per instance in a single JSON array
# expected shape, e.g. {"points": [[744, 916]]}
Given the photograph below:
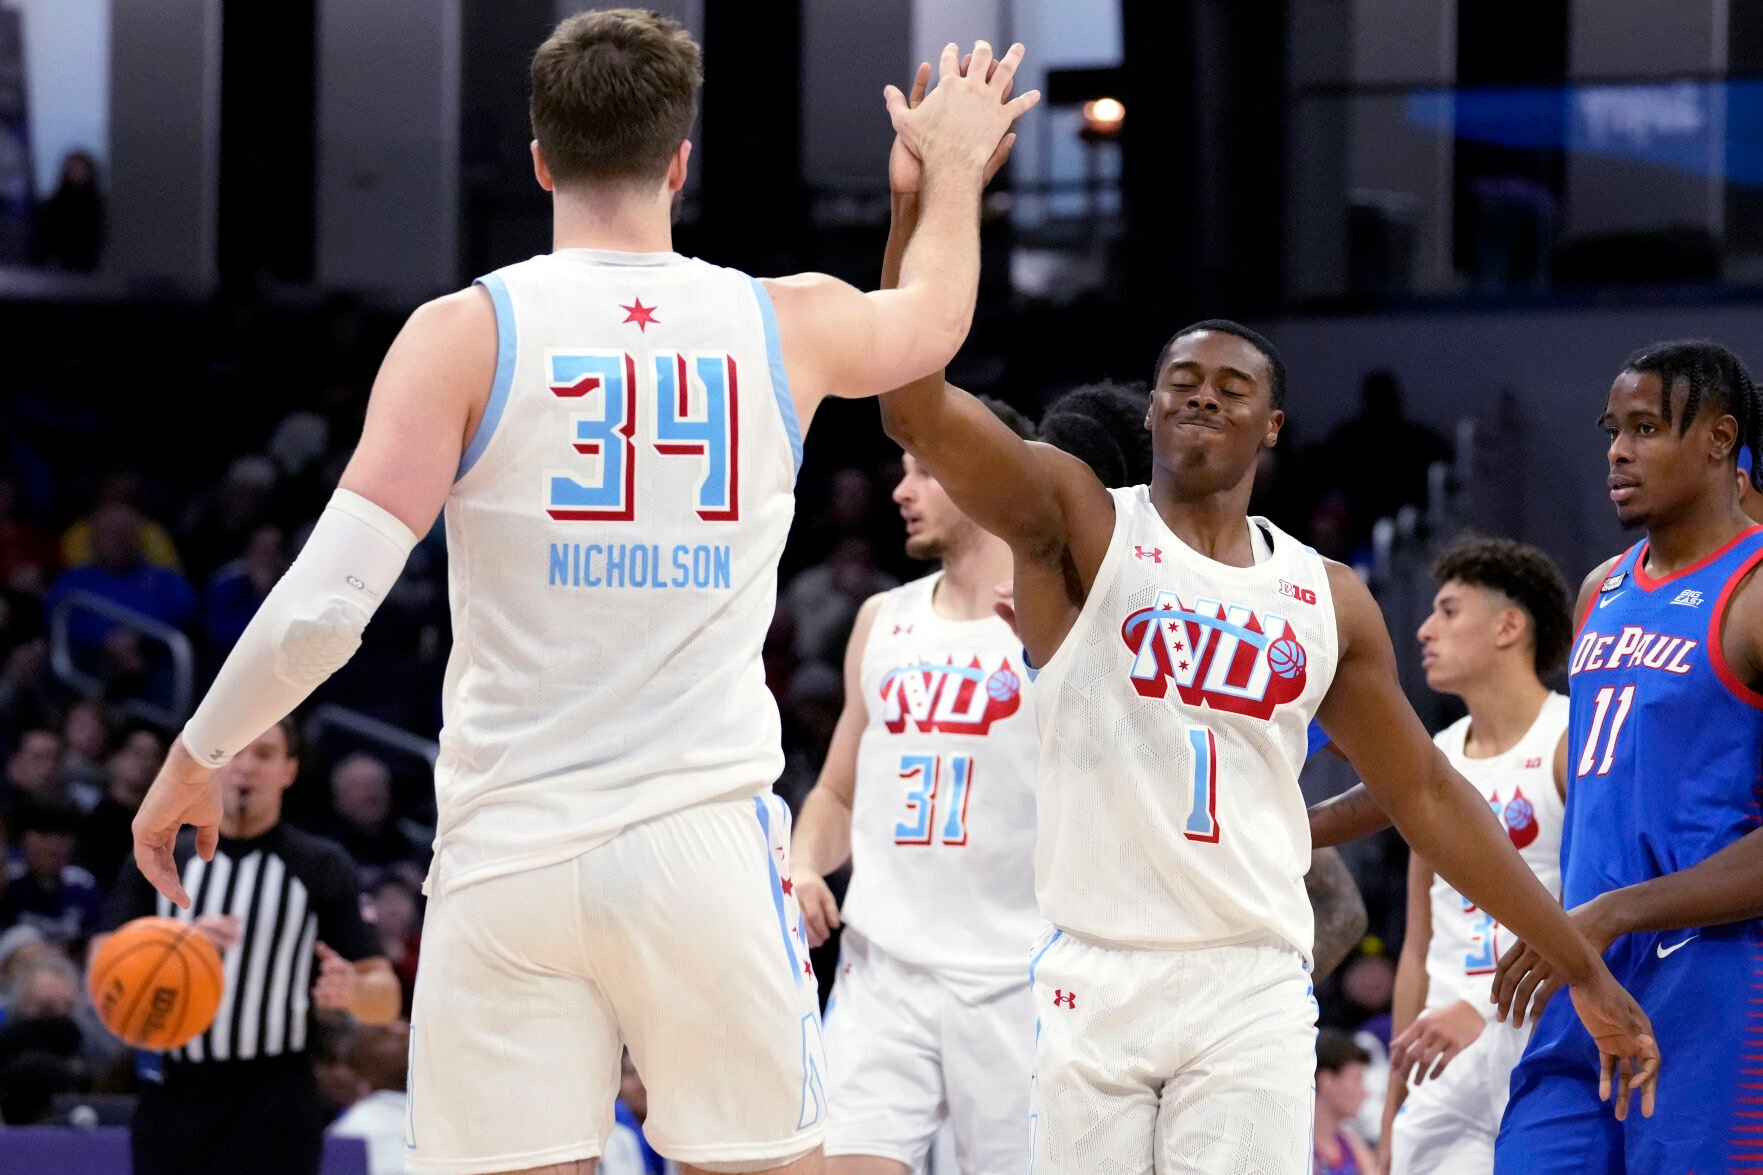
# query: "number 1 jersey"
{"points": [[612, 541], [1174, 720]]}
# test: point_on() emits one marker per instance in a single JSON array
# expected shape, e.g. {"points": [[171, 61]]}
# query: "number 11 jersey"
{"points": [[612, 540]]}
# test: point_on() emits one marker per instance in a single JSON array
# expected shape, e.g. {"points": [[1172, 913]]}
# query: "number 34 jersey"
{"points": [[1174, 722], [612, 542], [942, 831]]}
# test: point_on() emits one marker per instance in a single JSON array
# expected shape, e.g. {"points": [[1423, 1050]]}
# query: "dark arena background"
{"points": [[1455, 218]]}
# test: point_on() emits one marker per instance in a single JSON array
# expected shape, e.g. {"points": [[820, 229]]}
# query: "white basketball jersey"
{"points": [[1173, 725], [943, 828], [612, 545], [1520, 785]]}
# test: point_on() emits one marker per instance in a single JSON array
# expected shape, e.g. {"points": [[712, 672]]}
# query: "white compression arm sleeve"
{"points": [[306, 630]]}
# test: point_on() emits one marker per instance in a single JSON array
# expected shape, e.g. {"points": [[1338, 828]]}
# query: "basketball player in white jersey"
{"points": [[928, 790], [614, 432], [1184, 649], [1499, 621]]}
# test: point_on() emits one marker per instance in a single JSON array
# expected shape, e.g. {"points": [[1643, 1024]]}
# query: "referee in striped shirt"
{"points": [[284, 907]]}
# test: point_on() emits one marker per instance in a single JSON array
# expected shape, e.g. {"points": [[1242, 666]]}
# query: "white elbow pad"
{"points": [[306, 630]]}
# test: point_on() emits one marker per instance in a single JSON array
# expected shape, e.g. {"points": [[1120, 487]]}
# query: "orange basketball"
{"points": [[156, 983]]}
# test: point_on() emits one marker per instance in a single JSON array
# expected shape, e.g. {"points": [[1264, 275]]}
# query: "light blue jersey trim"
{"points": [[777, 889], [505, 345], [780, 380], [1036, 961]]}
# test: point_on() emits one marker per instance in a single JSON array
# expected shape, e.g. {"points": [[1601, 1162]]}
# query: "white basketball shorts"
{"points": [[1200, 1060], [677, 938], [1447, 1125], [904, 1052]]}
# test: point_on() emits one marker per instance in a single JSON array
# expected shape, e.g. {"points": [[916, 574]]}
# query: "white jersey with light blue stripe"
{"points": [[613, 540]]}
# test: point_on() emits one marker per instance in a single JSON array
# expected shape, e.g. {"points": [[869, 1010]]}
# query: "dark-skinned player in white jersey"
{"points": [[1155, 1049]]}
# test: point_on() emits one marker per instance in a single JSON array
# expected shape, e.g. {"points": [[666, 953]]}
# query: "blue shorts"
{"points": [[1703, 991]]}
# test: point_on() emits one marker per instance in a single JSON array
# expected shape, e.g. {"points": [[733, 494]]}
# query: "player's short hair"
{"points": [[1711, 373], [1015, 421], [1523, 575], [1276, 368], [614, 92], [1336, 1049], [1102, 425]]}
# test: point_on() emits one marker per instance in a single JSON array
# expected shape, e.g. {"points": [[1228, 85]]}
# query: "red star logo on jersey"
{"points": [[788, 885], [641, 315]]}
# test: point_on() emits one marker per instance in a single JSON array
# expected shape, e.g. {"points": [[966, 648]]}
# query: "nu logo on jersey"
{"points": [[1634, 646], [950, 698], [1218, 654]]}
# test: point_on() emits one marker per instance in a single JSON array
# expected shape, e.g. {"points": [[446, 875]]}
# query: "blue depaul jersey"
{"points": [[1665, 744]]}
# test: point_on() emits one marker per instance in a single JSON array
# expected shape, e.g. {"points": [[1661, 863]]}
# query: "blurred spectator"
{"points": [[238, 589], [80, 543], [33, 770], [28, 558], [399, 923], [851, 508], [361, 797], [44, 888], [19, 946], [106, 839], [1340, 1092], [26, 692], [1380, 457], [378, 1056], [824, 599], [122, 573], [225, 517], [70, 225], [44, 985], [85, 733], [1367, 984]]}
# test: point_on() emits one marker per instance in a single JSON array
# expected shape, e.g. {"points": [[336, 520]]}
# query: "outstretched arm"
{"points": [[429, 393], [1443, 817], [838, 341], [1352, 814], [1339, 908]]}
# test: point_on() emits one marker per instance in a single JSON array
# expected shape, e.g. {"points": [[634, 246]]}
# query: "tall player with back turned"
{"points": [[1662, 853], [1184, 649], [613, 430]]}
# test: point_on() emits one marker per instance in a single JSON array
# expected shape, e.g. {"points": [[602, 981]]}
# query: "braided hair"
{"points": [[1713, 374], [1102, 425]]}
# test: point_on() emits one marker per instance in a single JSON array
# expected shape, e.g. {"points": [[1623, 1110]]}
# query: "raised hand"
{"points": [[962, 123], [184, 792], [905, 171]]}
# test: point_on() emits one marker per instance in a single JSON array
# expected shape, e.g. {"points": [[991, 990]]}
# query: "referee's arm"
{"points": [[353, 976]]}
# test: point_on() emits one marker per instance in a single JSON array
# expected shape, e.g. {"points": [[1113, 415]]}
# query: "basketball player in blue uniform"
{"points": [[1662, 861]]}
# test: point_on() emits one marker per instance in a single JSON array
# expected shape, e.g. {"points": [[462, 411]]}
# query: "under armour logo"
{"points": [[1154, 554], [902, 628], [1063, 998]]}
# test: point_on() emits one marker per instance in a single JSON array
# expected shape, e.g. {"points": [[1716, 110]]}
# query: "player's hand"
{"points": [[184, 792], [1628, 1053], [820, 910], [335, 987], [905, 171], [963, 122], [1424, 1049], [1005, 605], [1524, 982], [223, 930]]}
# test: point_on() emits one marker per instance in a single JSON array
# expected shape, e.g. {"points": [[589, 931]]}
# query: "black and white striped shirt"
{"points": [[289, 890]]}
